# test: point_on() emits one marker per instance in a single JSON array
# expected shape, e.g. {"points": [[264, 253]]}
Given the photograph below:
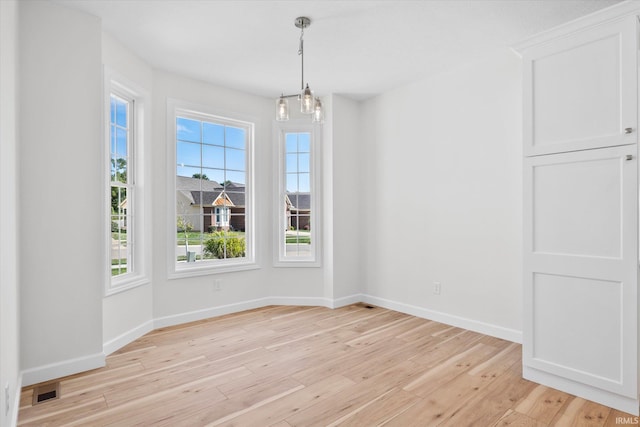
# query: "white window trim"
{"points": [[177, 108], [279, 131], [120, 86]]}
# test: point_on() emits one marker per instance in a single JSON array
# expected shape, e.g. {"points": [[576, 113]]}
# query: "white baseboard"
{"points": [[127, 337], [302, 301], [344, 301], [616, 401], [193, 316], [62, 369], [460, 322]]}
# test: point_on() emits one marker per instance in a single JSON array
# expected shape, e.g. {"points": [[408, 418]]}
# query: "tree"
{"points": [[200, 176], [185, 226], [118, 174]]}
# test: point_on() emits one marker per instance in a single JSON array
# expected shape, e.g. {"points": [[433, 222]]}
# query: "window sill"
{"points": [[126, 284], [206, 269], [297, 263]]}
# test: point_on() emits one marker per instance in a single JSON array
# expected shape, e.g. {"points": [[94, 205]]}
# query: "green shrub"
{"points": [[223, 242], [114, 227]]}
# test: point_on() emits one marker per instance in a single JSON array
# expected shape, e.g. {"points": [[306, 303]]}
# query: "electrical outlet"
{"points": [[217, 285], [437, 287], [7, 399]]}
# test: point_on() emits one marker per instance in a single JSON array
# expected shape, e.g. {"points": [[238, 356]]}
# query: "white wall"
{"points": [[443, 196], [343, 197], [127, 315], [61, 252], [9, 341]]}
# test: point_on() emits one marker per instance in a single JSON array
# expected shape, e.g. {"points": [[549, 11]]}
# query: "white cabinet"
{"points": [[581, 267], [580, 90], [580, 331]]}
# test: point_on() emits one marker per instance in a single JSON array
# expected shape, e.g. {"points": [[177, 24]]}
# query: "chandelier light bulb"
{"points": [[318, 112], [306, 101], [282, 109]]}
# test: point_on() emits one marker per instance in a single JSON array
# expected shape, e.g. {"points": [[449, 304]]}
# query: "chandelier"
{"points": [[308, 103]]}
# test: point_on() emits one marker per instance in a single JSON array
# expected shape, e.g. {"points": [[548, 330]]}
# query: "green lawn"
{"points": [[122, 236], [298, 239], [194, 237]]}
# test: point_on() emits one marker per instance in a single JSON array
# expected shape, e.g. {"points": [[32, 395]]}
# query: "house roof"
{"points": [[195, 184], [208, 198], [300, 200]]}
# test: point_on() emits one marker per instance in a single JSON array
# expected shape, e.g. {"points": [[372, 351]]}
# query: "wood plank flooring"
{"points": [[311, 366]]}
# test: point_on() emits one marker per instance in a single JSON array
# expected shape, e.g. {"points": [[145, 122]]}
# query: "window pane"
{"points": [[304, 182], [234, 137], [237, 178], [215, 175], [213, 134], [304, 161], [189, 236], [121, 170], [113, 169], [112, 108], [112, 137], [292, 183], [188, 130], [121, 113], [212, 156], [292, 163], [188, 171], [291, 142], [234, 159], [188, 154], [304, 143], [121, 142]]}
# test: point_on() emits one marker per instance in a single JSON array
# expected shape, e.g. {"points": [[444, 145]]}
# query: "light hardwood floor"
{"points": [[311, 366]]}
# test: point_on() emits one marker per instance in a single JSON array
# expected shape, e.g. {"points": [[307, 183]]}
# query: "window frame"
{"points": [[177, 108], [138, 230], [281, 129]]}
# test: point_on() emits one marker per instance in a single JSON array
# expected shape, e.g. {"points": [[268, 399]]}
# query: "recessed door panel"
{"points": [[577, 207], [575, 97], [580, 91], [575, 319]]}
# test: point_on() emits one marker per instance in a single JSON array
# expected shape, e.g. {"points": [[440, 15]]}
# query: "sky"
{"points": [[219, 152]]}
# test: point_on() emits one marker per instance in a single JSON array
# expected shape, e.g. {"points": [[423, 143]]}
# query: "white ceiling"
{"points": [[356, 48]]}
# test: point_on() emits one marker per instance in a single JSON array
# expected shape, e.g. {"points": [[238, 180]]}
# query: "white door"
{"points": [[580, 91], [580, 265]]}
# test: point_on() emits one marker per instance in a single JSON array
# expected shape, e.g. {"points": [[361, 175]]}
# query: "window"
{"points": [[125, 227], [297, 233], [122, 191], [213, 224], [222, 216]]}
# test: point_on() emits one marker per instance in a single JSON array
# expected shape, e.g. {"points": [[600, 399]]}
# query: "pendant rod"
{"points": [[302, 23]]}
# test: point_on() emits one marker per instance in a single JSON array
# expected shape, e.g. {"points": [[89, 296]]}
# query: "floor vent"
{"points": [[45, 392], [359, 304]]}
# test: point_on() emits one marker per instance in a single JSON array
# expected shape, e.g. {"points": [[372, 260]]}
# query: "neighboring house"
{"points": [[298, 208], [222, 208]]}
